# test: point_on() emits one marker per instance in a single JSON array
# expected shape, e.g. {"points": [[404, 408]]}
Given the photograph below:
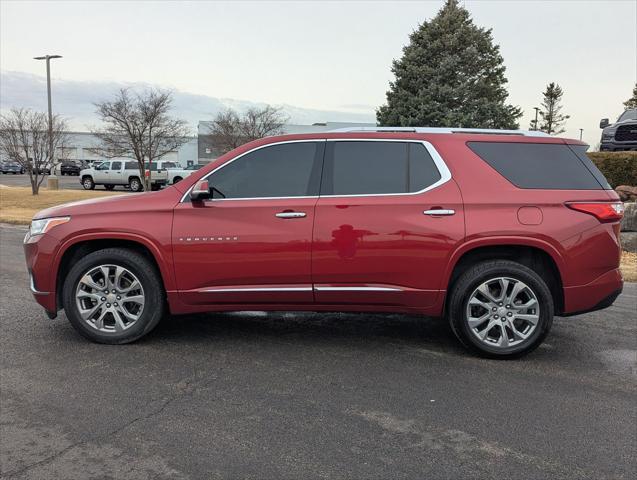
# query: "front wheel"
{"points": [[113, 296], [88, 183], [500, 309]]}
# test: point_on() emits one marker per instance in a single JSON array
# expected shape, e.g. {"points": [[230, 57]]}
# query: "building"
{"points": [[207, 151], [81, 146]]}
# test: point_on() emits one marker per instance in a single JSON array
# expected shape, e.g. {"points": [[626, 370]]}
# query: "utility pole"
{"points": [[48, 89], [537, 109]]}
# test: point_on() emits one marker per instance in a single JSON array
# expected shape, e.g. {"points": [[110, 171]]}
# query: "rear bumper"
{"points": [[599, 294]]}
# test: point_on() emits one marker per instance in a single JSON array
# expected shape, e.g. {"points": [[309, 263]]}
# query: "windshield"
{"points": [[630, 114]]}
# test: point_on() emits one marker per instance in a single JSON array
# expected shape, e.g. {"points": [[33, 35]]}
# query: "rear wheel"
{"points": [[135, 185], [88, 183], [113, 296], [500, 309], [177, 179]]}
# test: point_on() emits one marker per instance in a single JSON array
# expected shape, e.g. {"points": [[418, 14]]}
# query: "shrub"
{"points": [[619, 168]]}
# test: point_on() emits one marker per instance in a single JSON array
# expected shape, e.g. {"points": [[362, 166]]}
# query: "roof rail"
{"points": [[487, 131]]}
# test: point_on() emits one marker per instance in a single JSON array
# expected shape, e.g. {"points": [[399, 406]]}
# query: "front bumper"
{"points": [[39, 252], [612, 146]]}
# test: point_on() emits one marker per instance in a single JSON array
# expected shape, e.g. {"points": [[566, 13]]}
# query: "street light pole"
{"points": [[537, 109], [581, 131], [48, 89]]}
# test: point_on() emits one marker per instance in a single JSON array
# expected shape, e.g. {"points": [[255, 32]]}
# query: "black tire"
{"points": [[109, 187], [88, 183], [482, 272], [177, 180], [135, 184], [146, 273]]}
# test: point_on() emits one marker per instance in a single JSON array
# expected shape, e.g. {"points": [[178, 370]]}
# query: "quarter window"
{"points": [[285, 170], [131, 166], [372, 168]]}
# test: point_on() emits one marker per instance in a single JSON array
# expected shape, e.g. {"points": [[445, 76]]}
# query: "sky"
{"points": [[322, 60]]}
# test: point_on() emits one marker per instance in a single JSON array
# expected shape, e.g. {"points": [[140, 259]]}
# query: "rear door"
{"points": [[386, 223]]}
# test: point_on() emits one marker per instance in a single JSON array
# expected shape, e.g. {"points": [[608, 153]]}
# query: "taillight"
{"points": [[147, 173], [603, 211]]}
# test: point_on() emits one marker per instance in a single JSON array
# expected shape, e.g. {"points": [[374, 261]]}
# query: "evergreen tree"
{"points": [[451, 75], [552, 120], [632, 101]]}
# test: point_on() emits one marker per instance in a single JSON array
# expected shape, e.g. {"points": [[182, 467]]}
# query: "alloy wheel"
{"points": [[503, 312], [110, 298]]}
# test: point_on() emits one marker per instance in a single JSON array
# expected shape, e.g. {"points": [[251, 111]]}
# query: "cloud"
{"points": [[74, 100]]}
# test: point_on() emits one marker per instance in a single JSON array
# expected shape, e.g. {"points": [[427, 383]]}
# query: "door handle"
{"points": [[439, 212], [291, 214]]}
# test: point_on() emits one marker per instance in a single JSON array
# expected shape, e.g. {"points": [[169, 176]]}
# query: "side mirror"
{"points": [[603, 123], [200, 192]]}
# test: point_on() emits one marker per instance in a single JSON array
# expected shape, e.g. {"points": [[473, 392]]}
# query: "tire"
{"points": [[466, 320], [136, 267], [88, 183], [109, 187], [135, 184], [177, 180]]}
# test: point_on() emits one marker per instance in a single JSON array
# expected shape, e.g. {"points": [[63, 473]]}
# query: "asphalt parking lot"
{"points": [[285, 395], [66, 182]]}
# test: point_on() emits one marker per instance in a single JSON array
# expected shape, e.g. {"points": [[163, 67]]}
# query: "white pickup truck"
{"points": [[174, 170], [121, 172]]}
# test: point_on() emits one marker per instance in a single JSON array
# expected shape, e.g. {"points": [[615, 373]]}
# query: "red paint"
{"points": [[385, 243]]}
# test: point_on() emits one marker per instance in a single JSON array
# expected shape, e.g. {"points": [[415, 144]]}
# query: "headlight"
{"points": [[43, 225]]}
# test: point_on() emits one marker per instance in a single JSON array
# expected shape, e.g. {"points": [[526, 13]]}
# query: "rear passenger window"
{"points": [[373, 168], [541, 165], [116, 165]]}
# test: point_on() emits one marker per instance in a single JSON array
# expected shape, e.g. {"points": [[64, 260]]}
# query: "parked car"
{"points": [[174, 171], [496, 231], [621, 135], [11, 167], [71, 167], [120, 172]]}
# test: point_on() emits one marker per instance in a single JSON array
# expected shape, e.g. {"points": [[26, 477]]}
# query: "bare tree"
{"points": [[230, 130], [138, 125], [24, 138]]}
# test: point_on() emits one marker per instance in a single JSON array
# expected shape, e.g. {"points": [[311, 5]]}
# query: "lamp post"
{"points": [[48, 88], [537, 109]]}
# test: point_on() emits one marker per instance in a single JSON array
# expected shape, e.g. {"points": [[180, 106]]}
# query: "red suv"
{"points": [[497, 231]]}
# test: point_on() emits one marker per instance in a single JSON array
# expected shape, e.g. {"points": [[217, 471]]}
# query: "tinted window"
{"points": [[364, 168], [131, 166], [286, 170], [116, 165], [169, 165], [537, 165]]}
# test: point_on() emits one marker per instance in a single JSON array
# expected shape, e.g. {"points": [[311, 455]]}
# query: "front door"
{"points": [[114, 174], [386, 223], [101, 173], [252, 242]]}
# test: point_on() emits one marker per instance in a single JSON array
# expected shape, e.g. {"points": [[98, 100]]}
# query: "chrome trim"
{"points": [[439, 211], [290, 215], [490, 131], [32, 286], [445, 174], [357, 289], [257, 289]]}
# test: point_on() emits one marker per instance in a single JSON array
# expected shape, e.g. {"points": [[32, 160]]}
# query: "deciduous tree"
{"points": [[24, 138], [138, 125]]}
